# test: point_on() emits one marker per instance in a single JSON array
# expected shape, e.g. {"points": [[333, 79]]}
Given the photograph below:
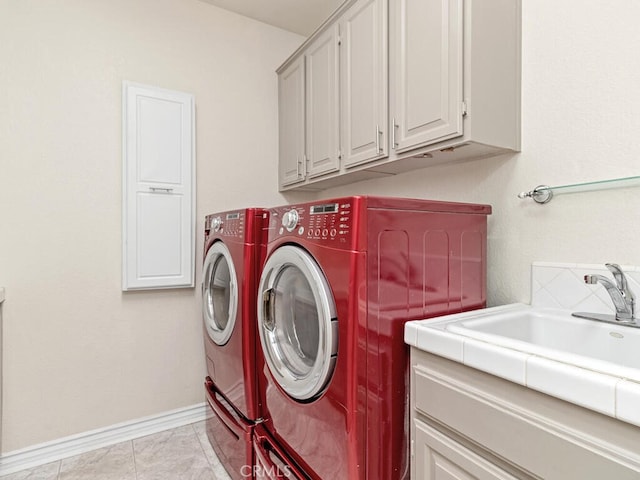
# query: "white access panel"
{"points": [[158, 188]]}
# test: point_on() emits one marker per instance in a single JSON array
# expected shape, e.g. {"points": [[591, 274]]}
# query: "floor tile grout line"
{"points": [[201, 446], [135, 462]]}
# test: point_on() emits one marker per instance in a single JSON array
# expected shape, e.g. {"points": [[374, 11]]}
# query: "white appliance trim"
{"points": [[314, 381], [65, 447]]}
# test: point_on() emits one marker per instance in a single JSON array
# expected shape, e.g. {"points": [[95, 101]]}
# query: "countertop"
{"points": [[614, 395]]}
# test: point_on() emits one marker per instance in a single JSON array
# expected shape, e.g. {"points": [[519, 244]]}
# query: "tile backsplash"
{"points": [[561, 285]]}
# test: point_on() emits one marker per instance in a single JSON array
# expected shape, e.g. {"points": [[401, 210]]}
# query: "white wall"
{"points": [[580, 122], [78, 353]]}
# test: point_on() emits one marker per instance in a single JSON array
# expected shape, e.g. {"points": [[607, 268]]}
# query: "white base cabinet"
{"points": [[442, 458], [420, 82], [468, 424]]}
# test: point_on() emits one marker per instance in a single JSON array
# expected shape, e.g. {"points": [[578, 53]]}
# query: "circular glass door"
{"points": [[219, 293], [297, 322]]}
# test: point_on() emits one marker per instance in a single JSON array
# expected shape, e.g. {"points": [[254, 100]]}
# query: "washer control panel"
{"points": [[323, 221], [230, 224]]}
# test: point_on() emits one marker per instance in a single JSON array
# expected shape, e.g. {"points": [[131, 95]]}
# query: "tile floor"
{"points": [[183, 453]]}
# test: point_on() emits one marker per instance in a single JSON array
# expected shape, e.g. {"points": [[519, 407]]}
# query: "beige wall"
{"points": [[580, 122], [78, 353]]}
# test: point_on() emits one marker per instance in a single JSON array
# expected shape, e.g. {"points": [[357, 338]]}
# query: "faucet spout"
{"points": [[621, 295], [624, 307]]}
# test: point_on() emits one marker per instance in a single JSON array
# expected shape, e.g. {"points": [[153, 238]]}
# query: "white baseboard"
{"points": [[65, 447]]}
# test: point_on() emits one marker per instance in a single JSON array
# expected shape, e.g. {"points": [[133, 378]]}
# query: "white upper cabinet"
{"points": [[363, 31], [291, 111], [158, 189], [322, 104], [426, 72], [442, 84]]}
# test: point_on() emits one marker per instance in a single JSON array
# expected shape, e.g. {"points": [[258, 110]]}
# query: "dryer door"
{"points": [[297, 322], [219, 293]]}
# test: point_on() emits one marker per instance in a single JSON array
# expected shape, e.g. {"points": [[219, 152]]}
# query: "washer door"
{"points": [[297, 322], [219, 293]]}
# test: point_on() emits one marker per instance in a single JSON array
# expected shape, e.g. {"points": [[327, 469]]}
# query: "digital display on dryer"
{"points": [[327, 208], [233, 216]]}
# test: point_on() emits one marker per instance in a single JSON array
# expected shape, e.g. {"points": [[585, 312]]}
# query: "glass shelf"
{"points": [[544, 193]]}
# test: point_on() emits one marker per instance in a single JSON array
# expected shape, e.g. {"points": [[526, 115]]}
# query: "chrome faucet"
{"points": [[623, 298]]}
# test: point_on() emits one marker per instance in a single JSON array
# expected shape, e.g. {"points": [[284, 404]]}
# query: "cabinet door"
{"points": [[158, 192], [426, 71], [364, 82], [291, 123], [438, 457], [322, 104]]}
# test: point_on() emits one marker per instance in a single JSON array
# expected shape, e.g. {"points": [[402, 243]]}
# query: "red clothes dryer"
{"points": [[234, 249], [341, 278]]}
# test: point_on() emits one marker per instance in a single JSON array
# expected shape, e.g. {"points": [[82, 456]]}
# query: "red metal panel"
{"points": [[234, 365], [422, 264], [232, 386], [271, 461], [229, 435], [389, 261]]}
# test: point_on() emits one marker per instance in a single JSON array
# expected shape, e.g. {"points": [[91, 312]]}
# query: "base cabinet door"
{"points": [[439, 457]]}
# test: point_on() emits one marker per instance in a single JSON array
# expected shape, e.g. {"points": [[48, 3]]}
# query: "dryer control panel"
{"points": [[230, 224], [322, 221]]}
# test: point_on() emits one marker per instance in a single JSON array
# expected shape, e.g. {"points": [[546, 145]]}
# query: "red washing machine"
{"points": [[234, 251], [341, 278]]}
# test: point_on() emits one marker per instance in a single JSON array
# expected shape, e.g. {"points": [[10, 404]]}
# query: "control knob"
{"points": [[216, 224], [290, 220]]}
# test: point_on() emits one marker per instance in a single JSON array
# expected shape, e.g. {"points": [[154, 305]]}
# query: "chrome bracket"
{"points": [[541, 194]]}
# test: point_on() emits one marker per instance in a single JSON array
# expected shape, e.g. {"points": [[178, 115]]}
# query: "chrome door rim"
{"points": [[219, 335], [299, 387]]}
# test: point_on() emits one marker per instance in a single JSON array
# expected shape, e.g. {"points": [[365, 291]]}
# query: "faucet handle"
{"points": [[618, 275], [621, 281]]}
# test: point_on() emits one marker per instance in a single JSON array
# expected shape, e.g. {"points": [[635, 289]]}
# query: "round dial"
{"points": [[290, 220], [216, 224]]}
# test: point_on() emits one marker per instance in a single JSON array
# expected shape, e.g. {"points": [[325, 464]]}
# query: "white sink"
{"points": [[558, 335], [592, 364]]}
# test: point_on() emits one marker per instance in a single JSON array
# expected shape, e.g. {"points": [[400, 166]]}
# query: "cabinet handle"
{"points": [[378, 138], [298, 163], [160, 189], [393, 135]]}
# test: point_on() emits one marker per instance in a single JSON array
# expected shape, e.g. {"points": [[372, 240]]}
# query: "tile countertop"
{"points": [[612, 395]]}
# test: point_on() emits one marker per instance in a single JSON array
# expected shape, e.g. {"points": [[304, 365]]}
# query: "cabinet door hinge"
{"points": [[464, 109]]}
